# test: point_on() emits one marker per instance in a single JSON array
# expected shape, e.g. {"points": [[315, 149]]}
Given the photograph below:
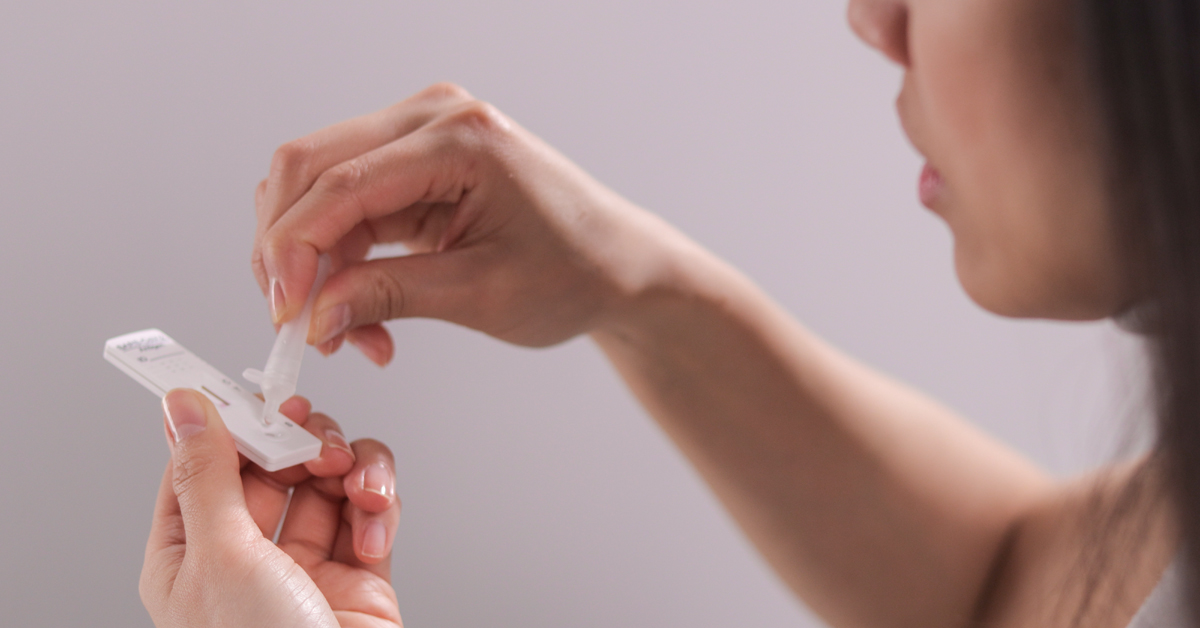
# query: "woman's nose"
{"points": [[883, 25]]}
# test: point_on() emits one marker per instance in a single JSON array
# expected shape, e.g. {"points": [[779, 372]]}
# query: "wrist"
{"points": [[663, 281]]}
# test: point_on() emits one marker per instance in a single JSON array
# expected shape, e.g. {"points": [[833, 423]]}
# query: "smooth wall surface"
{"points": [[536, 492]]}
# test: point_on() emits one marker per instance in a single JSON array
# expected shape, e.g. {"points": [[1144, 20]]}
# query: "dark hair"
{"points": [[1145, 61]]}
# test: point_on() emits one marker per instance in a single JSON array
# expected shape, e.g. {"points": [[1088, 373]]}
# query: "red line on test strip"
{"points": [[215, 396]]}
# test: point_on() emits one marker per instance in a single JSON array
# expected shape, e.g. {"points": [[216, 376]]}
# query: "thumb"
{"points": [[206, 476], [427, 285]]}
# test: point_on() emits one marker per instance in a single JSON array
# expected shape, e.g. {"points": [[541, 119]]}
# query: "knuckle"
{"points": [[344, 179], [325, 422], [271, 249], [152, 585], [292, 157], [258, 266], [145, 588], [189, 472], [387, 294], [481, 118], [445, 91], [375, 445], [260, 194]]}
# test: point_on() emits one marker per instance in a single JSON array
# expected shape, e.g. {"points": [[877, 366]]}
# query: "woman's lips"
{"points": [[931, 185]]}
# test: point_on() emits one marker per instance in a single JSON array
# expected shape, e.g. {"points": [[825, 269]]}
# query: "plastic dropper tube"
{"points": [[278, 378]]}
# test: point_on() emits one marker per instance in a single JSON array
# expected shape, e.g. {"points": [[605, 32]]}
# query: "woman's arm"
{"points": [[878, 506]]}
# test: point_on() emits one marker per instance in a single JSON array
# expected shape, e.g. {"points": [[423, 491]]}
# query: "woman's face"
{"points": [[995, 97]]}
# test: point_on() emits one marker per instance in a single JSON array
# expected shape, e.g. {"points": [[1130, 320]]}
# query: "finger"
{"points": [[354, 246], [331, 347], [260, 195], [421, 227], [434, 285], [371, 509], [438, 164], [337, 458], [164, 548], [311, 525], [371, 484], [296, 165], [266, 500], [364, 499], [297, 409], [370, 540], [374, 341], [382, 606], [205, 474], [166, 529], [267, 491]]}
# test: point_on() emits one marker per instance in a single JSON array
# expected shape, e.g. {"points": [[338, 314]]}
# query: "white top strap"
{"points": [[1167, 605]]}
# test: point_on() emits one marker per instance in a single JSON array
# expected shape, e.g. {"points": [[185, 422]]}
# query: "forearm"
{"points": [[876, 505]]}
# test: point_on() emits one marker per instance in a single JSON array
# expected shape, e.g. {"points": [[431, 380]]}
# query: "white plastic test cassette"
{"points": [[161, 364]]}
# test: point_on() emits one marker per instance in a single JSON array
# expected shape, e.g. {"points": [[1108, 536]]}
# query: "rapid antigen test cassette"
{"points": [[161, 364]]}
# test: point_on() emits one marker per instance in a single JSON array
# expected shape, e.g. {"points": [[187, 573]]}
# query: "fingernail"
{"points": [[374, 540], [185, 415], [277, 301], [334, 439], [332, 322], [377, 479], [332, 346]]}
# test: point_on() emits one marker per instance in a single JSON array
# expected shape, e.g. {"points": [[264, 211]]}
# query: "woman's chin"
{"points": [[1015, 297]]}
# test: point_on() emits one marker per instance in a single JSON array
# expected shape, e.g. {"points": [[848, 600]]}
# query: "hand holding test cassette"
{"points": [[263, 435]]}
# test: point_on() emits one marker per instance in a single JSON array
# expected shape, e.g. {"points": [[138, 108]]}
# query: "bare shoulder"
{"points": [[1090, 552]]}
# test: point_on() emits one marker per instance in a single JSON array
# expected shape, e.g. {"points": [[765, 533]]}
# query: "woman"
{"points": [[1063, 140]]}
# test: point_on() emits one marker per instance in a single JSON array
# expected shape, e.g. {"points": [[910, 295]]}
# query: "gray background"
{"points": [[536, 491]]}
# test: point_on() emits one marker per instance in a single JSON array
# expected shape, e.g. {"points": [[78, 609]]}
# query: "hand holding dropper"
{"points": [[278, 378]]}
